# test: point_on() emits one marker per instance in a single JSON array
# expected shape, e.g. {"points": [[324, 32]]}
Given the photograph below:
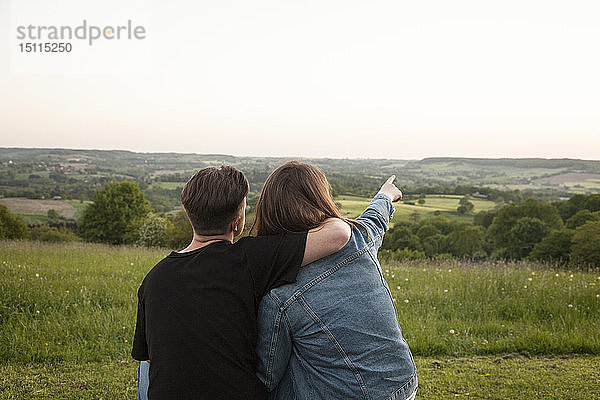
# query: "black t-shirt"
{"points": [[196, 318]]}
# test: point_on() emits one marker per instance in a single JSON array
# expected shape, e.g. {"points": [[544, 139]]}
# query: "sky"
{"points": [[340, 79]]}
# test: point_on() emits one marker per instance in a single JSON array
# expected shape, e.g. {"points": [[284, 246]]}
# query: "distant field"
{"points": [[35, 211], [169, 185], [569, 178], [79, 206], [489, 331], [352, 206]]}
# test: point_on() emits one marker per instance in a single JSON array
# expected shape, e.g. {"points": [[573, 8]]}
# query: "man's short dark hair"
{"points": [[212, 197]]}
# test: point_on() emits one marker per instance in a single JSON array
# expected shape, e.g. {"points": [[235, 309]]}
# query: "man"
{"points": [[196, 321]]}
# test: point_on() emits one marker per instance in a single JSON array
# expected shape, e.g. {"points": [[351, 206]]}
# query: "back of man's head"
{"points": [[212, 198]]}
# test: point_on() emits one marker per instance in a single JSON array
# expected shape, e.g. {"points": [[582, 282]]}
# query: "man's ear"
{"points": [[235, 224]]}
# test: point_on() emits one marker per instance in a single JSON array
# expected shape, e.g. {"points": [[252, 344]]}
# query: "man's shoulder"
{"points": [[161, 267]]}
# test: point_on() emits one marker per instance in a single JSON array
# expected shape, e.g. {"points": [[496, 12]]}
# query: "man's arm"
{"points": [[326, 239], [140, 347]]}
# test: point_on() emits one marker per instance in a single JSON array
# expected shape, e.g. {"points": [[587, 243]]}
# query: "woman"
{"points": [[334, 333]]}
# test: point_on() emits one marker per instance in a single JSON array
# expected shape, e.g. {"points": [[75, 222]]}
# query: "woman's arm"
{"points": [[326, 239], [378, 214]]}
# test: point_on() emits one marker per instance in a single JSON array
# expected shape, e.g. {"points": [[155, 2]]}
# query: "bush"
{"points": [[585, 249], [11, 226], [403, 254], [555, 247], [45, 233], [180, 231], [154, 232]]}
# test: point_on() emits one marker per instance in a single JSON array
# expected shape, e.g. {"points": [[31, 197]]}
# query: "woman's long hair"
{"points": [[295, 197]]}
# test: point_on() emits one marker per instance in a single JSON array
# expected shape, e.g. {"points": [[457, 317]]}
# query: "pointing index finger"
{"points": [[390, 179]]}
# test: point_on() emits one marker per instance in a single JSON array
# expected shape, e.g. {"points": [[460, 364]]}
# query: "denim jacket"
{"points": [[334, 334]]}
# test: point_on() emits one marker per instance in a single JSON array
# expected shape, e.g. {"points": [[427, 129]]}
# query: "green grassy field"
{"points": [[35, 212], [79, 207], [488, 331], [169, 185], [352, 206]]}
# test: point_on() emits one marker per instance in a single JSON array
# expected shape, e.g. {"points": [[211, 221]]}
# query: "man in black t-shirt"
{"points": [[196, 319]]}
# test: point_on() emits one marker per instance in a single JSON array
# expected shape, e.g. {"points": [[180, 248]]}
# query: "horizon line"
{"points": [[298, 156]]}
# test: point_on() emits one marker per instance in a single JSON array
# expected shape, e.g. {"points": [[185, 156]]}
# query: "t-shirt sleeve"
{"points": [[140, 346], [274, 260]]}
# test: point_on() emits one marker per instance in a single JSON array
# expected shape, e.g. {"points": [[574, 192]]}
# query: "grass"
{"points": [[446, 205], [495, 378], [67, 315], [453, 308]]}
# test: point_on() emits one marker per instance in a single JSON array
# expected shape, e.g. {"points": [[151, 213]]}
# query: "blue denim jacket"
{"points": [[334, 334]]}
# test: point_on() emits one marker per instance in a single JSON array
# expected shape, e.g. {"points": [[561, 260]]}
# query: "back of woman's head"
{"points": [[295, 197]]}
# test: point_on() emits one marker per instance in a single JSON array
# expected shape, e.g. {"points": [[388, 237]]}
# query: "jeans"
{"points": [[143, 380]]}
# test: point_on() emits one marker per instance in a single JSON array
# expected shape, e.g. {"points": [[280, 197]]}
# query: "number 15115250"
{"points": [[45, 47]]}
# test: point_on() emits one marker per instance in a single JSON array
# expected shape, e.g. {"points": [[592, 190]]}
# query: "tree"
{"points": [[484, 218], [117, 212], [585, 249], [154, 231], [427, 230], [180, 231], [524, 235], [421, 201], [400, 237], [53, 215], [433, 245], [555, 247], [506, 218], [581, 217], [465, 206], [576, 203], [11, 226], [466, 240]]}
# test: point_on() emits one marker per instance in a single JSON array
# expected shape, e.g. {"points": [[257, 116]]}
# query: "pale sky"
{"points": [[358, 79]]}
